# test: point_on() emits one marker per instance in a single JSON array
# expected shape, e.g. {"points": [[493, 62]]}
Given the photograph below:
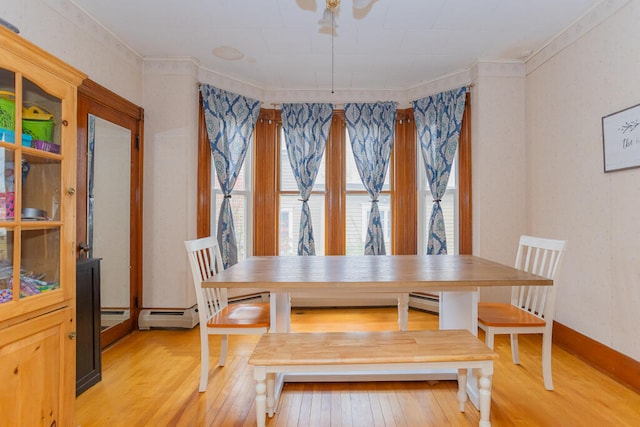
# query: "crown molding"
{"points": [[92, 28], [171, 66], [498, 68], [591, 19], [221, 81], [274, 98]]}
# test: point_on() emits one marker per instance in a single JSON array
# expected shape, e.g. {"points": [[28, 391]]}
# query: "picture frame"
{"points": [[621, 139]]}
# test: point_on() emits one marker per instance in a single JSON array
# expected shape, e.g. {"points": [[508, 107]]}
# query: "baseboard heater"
{"points": [[426, 302], [158, 318], [187, 318]]}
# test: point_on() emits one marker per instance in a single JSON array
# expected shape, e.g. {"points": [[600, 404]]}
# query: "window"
{"points": [[355, 215], [241, 205], [385, 219], [339, 201], [358, 206], [290, 205], [449, 205]]}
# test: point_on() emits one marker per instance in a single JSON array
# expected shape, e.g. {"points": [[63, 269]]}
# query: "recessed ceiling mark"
{"points": [[229, 53]]}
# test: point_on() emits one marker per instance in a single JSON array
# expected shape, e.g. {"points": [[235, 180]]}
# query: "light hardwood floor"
{"points": [[150, 378]]}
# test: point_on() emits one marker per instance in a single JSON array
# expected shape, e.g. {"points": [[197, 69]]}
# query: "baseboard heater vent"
{"points": [[186, 319], [260, 297], [426, 302]]}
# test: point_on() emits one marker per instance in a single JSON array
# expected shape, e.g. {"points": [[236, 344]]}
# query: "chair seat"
{"points": [[499, 314], [253, 315]]}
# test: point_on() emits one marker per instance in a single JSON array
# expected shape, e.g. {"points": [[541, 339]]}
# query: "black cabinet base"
{"points": [[88, 352]]}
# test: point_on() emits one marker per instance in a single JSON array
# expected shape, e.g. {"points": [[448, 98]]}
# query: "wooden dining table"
{"points": [[457, 279]]}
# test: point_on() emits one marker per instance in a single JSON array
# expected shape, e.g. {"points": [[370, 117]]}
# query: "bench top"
{"points": [[329, 348]]}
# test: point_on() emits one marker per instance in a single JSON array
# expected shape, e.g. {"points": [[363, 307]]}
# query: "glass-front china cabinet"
{"points": [[37, 235]]}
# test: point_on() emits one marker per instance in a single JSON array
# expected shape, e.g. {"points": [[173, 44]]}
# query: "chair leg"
{"points": [[489, 338], [204, 361], [546, 361], [224, 344], [515, 354]]}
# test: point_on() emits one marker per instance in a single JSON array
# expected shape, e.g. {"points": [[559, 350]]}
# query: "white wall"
{"points": [[63, 30], [568, 194], [170, 181], [498, 163]]}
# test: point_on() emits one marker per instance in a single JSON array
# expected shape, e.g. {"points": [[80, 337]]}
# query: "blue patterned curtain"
{"points": [[306, 127], [230, 120], [438, 121], [371, 128]]}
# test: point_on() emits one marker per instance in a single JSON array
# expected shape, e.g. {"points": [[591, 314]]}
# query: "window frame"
{"points": [[403, 183]]}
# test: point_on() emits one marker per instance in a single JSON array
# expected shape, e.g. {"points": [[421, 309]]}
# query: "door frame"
{"points": [[101, 102]]}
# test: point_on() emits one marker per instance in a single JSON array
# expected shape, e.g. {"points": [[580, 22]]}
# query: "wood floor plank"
{"points": [[150, 378], [361, 413]]}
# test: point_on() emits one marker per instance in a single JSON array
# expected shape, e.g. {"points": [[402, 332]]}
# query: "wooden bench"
{"points": [[354, 352]]}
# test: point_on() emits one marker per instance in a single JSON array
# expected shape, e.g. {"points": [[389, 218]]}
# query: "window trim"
{"points": [[404, 184]]}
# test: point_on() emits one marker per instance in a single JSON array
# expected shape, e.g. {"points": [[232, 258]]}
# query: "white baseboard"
{"points": [[425, 302], [163, 318], [188, 318], [343, 301], [184, 318]]}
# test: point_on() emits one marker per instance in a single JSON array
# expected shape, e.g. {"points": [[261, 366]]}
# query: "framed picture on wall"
{"points": [[621, 139]]}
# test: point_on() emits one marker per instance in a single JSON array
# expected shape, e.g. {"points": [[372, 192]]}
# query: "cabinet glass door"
{"points": [[30, 190]]}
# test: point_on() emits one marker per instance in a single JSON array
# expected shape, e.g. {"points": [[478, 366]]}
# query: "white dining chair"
{"points": [[217, 316], [532, 307]]}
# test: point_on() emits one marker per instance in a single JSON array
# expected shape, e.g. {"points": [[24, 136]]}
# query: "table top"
{"points": [[385, 273]]}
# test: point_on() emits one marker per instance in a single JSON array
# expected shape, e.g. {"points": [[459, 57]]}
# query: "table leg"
{"points": [[459, 310], [403, 312], [280, 311]]}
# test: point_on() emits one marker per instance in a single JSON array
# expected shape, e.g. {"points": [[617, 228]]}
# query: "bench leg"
{"points": [[271, 401], [462, 388], [484, 391], [259, 374]]}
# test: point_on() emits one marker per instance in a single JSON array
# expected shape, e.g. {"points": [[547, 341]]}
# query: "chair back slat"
{"points": [[542, 257], [206, 261]]}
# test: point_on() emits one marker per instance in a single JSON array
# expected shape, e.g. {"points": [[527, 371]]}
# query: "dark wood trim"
{"points": [[107, 98], [618, 366], [465, 208], [404, 199], [265, 204], [203, 227], [101, 102], [336, 197]]}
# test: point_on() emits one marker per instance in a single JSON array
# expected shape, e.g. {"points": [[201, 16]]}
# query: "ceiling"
{"points": [[392, 44]]}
